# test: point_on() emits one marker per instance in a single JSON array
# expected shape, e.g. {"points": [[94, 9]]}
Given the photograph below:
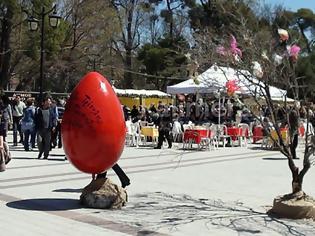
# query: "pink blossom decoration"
{"points": [[294, 50], [234, 49]]}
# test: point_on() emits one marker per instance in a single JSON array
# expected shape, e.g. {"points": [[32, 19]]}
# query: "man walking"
{"points": [[46, 121], [17, 113]]}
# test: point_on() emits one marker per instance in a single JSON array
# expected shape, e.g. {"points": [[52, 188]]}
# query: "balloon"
{"points": [[234, 49], [294, 51], [277, 59], [234, 52], [231, 87], [257, 70], [283, 34], [93, 126]]}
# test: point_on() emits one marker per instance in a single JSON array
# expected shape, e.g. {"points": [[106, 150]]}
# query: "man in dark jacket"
{"points": [[164, 129], [45, 122]]}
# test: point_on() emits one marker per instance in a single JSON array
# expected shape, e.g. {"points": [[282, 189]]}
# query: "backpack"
{"points": [[27, 122]]}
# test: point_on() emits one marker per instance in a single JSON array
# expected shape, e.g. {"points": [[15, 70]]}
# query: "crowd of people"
{"points": [[32, 124], [40, 125], [196, 112], [228, 112]]}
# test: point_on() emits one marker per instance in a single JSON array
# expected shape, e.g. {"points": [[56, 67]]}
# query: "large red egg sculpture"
{"points": [[93, 125]]}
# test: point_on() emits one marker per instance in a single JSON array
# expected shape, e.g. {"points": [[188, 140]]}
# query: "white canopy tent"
{"points": [[142, 92], [189, 86], [216, 77]]}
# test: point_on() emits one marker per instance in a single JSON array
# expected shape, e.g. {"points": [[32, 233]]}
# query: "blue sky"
{"points": [[294, 4]]}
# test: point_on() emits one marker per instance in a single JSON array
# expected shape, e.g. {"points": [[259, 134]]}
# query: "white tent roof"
{"points": [[216, 77], [189, 86], [141, 92]]}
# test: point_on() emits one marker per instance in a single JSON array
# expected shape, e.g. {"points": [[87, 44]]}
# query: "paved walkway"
{"points": [[172, 192]]}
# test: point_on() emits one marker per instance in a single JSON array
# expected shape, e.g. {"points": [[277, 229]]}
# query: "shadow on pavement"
{"points": [[262, 149], [54, 159], [68, 190], [19, 150], [56, 155], [275, 158], [24, 158], [170, 211], [45, 204]]}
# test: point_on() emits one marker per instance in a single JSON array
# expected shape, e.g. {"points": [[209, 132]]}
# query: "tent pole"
{"points": [[219, 117]]}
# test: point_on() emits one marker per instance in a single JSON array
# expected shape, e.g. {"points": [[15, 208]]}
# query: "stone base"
{"points": [[103, 193], [294, 206]]}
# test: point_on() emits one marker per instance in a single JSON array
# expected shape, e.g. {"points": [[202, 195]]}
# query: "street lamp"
{"points": [[33, 26], [218, 96]]}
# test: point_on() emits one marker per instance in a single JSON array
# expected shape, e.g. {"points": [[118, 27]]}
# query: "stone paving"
{"points": [[172, 192]]}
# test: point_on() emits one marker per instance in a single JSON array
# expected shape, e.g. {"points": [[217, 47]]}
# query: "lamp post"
{"points": [[33, 26], [218, 95]]}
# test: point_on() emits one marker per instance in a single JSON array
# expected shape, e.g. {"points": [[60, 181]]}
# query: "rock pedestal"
{"points": [[103, 193], [294, 206]]}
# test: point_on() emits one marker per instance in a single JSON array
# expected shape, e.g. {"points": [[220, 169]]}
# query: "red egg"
{"points": [[93, 125]]}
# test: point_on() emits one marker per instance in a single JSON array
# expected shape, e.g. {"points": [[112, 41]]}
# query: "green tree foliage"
{"points": [[173, 12], [8, 8], [306, 70], [305, 20], [86, 45], [120, 38], [164, 59], [129, 15], [221, 15]]}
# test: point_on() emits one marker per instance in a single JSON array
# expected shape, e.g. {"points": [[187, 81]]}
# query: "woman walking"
{"points": [[28, 125]]}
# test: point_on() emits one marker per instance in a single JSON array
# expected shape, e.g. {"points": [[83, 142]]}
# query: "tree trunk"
{"points": [[5, 56], [128, 83], [296, 181], [128, 47], [171, 30]]}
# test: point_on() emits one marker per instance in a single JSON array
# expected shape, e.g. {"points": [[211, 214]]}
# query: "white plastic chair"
{"points": [[128, 132], [205, 141], [214, 142], [210, 141], [221, 133], [177, 131], [135, 138], [135, 133], [242, 138], [143, 123]]}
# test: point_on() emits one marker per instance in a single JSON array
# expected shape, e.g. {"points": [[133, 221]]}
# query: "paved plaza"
{"points": [[172, 192]]}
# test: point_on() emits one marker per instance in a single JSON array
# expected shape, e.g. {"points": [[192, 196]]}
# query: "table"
{"points": [[302, 131], [283, 132], [195, 135], [235, 132], [258, 133], [149, 131]]}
